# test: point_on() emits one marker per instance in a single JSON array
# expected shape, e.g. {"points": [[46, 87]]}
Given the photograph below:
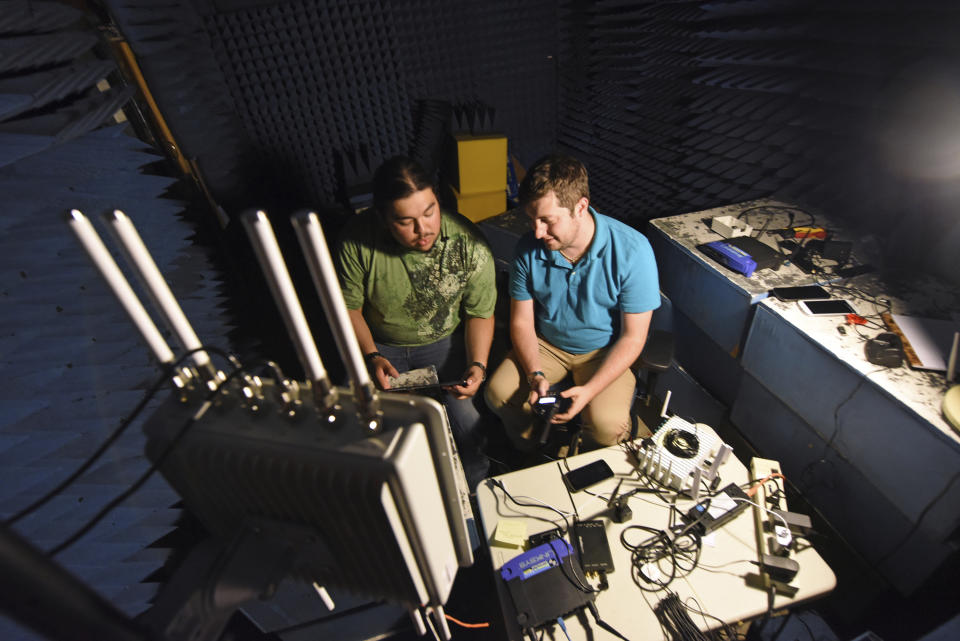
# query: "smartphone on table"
{"points": [[802, 292], [828, 307], [590, 474]]}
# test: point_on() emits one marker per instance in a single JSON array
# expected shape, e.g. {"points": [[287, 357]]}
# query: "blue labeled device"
{"points": [[733, 257], [536, 560], [541, 588]]}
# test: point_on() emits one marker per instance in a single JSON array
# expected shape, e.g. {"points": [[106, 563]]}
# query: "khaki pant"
{"points": [[606, 418]]}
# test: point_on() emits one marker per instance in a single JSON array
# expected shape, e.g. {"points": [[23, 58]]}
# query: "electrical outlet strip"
{"points": [[770, 495], [773, 536]]}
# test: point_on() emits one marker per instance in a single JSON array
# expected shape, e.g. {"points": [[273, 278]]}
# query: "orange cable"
{"points": [[467, 625], [756, 485]]}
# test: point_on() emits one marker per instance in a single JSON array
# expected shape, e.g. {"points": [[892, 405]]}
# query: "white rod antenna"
{"points": [[278, 278], [142, 262], [666, 404], [103, 261], [314, 245]]}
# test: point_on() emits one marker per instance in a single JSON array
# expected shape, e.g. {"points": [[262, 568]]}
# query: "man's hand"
{"points": [[381, 368], [539, 386], [579, 397], [473, 377]]}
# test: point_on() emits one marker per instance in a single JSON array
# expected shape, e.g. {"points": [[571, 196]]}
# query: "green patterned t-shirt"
{"points": [[410, 297]]}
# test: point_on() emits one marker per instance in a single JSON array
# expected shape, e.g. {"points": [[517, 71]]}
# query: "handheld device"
{"points": [[551, 405], [810, 292], [828, 307], [428, 386], [590, 474]]}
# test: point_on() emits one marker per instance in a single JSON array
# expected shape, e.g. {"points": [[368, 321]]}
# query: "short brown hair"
{"points": [[562, 174]]}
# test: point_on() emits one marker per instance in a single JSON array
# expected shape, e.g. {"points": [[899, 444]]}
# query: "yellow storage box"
{"points": [[481, 163], [476, 207]]}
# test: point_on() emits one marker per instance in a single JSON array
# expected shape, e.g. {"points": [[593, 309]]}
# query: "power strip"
{"points": [[772, 496], [773, 534]]}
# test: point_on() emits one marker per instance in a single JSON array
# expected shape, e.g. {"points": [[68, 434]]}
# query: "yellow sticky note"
{"points": [[510, 533]]}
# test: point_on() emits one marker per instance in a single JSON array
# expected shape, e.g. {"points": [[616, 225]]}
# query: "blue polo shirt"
{"points": [[577, 307]]}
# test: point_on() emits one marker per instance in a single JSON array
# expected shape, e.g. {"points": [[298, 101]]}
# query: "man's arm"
{"points": [[526, 347], [478, 336], [622, 355], [380, 366]]}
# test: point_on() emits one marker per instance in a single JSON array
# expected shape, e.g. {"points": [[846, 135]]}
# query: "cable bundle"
{"points": [[676, 622], [674, 619], [662, 557]]}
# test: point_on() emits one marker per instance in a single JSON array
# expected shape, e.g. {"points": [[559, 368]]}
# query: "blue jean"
{"points": [[448, 356]]}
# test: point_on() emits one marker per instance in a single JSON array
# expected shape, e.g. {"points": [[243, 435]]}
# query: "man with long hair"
{"points": [[419, 284]]}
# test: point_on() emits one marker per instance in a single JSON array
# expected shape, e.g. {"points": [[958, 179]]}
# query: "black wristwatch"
{"points": [[483, 368], [372, 355]]}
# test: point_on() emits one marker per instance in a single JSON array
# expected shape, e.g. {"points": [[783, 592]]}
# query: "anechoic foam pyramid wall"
{"points": [[72, 363], [310, 82], [848, 107]]}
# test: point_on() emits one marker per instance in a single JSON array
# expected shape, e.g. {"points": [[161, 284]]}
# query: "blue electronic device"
{"points": [[536, 560], [545, 583], [733, 257]]}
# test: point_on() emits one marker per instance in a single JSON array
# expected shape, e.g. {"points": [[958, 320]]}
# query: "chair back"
{"points": [[663, 315]]}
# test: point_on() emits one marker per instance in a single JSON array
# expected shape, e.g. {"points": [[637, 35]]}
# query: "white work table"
{"points": [[866, 444], [718, 586]]}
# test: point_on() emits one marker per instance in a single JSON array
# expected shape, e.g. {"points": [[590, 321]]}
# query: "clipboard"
{"points": [[926, 341]]}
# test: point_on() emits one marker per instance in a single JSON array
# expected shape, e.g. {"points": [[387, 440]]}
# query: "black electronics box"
{"points": [[836, 250], [544, 584], [765, 256], [592, 544], [543, 537], [885, 349], [708, 519]]}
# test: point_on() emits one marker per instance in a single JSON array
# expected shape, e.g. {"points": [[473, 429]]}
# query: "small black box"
{"points": [[765, 256], [838, 250], [885, 349], [593, 546], [708, 519]]}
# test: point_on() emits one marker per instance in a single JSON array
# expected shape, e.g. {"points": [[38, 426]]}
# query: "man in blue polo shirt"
{"points": [[583, 288]]}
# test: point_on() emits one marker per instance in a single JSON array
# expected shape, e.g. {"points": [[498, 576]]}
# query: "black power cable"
{"points": [[672, 615], [681, 443], [603, 624], [117, 433], [771, 210], [498, 483], [808, 468], [136, 485], [574, 580], [674, 551]]}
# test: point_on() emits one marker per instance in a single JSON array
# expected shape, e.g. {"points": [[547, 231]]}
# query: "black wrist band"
{"points": [[483, 368], [372, 355]]}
